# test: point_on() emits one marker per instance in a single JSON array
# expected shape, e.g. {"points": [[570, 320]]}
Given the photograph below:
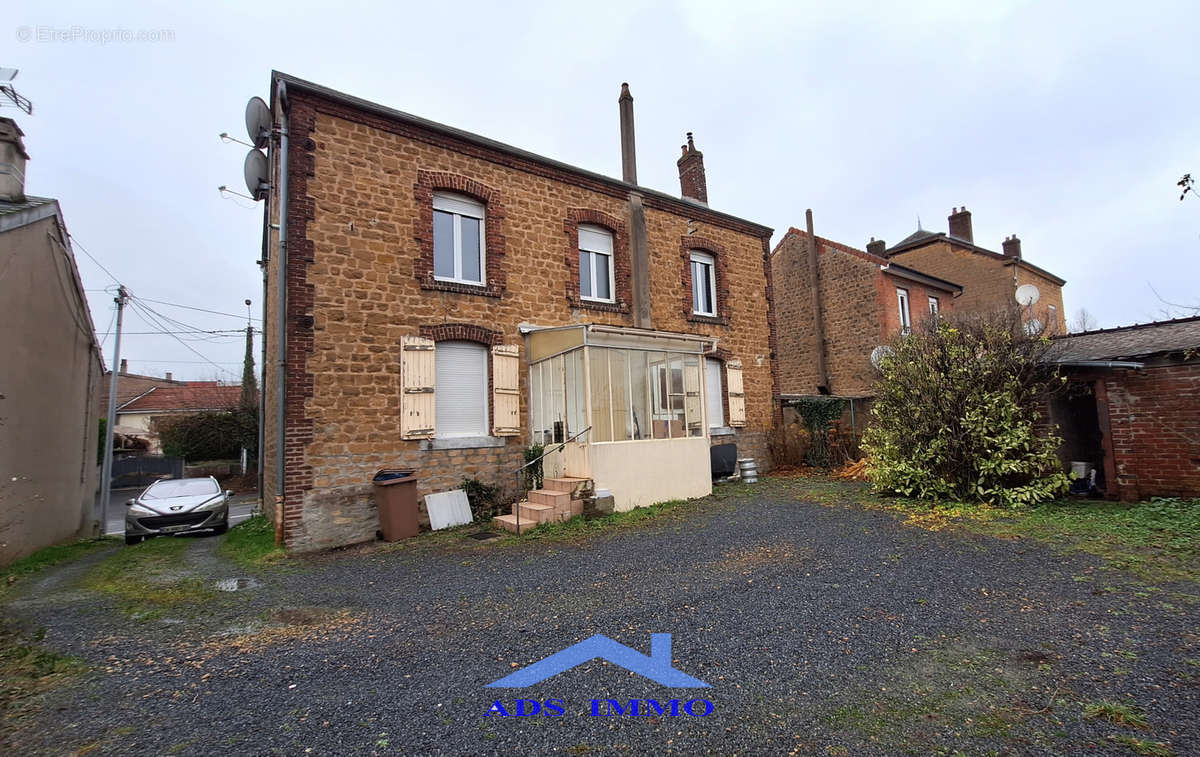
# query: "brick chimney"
{"points": [[12, 161], [691, 172], [1012, 247], [168, 375], [960, 225], [124, 366], [876, 247], [628, 153]]}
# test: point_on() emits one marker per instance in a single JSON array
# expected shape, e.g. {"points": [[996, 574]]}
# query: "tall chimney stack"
{"points": [[628, 152], [960, 225], [12, 161], [1012, 247], [877, 247], [691, 172]]}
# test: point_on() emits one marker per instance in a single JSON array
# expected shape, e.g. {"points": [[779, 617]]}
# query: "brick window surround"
{"points": [[687, 245], [469, 332], [623, 293], [493, 223]]}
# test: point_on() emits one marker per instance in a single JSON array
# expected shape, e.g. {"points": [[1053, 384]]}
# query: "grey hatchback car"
{"points": [[177, 506]]}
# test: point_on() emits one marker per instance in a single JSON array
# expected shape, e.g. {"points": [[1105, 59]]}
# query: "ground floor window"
{"points": [[462, 390], [712, 393]]}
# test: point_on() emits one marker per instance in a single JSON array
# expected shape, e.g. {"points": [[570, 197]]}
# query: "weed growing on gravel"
{"points": [[48, 557], [1142, 746], [27, 670], [148, 577], [1116, 713], [582, 527], [251, 543]]}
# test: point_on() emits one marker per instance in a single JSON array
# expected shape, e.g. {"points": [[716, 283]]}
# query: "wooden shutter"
{"points": [[506, 390], [737, 395], [417, 371]]}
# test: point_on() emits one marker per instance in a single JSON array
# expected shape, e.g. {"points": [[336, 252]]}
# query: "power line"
{"points": [[218, 332], [91, 257], [189, 362], [202, 310], [143, 310]]}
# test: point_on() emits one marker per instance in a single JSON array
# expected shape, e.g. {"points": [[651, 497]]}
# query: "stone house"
{"points": [[860, 300], [48, 376], [989, 279], [1131, 408], [449, 300]]}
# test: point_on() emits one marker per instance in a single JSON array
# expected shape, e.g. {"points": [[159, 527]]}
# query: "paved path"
{"points": [[821, 630]]}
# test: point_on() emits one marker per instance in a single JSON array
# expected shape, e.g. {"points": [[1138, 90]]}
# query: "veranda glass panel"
{"points": [[660, 400], [618, 371], [576, 408], [676, 396], [639, 388], [693, 413], [556, 413], [602, 429]]}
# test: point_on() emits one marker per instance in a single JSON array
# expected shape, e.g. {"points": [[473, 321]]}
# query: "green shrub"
{"points": [[955, 415], [483, 498], [533, 474], [209, 436]]}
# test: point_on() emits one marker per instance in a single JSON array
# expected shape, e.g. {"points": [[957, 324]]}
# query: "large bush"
{"points": [[955, 415], [209, 436]]}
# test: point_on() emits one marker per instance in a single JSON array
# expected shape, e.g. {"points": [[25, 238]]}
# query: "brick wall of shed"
{"points": [[1154, 416]]}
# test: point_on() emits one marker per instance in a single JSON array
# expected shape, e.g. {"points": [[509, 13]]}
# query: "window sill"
{"points": [[488, 290], [619, 306], [464, 442], [721, 431], [716, 320]]}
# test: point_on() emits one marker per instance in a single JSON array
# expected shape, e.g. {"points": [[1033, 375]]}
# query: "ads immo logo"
{"points": [[656, 667]]}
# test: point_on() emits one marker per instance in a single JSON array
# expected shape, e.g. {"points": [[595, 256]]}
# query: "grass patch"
{"points": [[27, 670], [251, 543], [148, 578], [1142, 746], [578, 528], [1116, 713], [48, 557]]}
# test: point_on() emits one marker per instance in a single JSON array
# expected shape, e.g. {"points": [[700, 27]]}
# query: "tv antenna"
{"points": [[10, 93]]}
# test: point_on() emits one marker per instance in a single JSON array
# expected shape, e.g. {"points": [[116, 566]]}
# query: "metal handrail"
{"points": [[558, 447]]}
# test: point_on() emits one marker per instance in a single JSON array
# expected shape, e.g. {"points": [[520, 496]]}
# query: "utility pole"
{"points": [[110, 419]]}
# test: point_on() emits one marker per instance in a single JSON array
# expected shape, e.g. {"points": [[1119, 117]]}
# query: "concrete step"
{"points": [[567, 484], [535, 512], [509, 523], [549, 497]]}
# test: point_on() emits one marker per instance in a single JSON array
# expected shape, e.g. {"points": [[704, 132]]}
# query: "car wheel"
{"points": [[223, 527], [131, 539]]}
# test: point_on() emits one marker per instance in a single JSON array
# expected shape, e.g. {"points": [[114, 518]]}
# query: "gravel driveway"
{"points": [[821, 630]]}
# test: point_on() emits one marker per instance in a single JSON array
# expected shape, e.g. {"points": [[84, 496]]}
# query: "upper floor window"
{"points": [[905, 317], [458, 239], [704, 284], [933, 306], [595, 264], [1052, 317]]}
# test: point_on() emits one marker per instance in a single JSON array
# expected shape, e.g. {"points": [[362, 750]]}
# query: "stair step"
{"points": [[535, 512], [509, 523], [564, 483], [549, 497]]}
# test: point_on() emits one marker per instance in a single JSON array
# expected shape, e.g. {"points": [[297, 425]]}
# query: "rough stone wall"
{"points": [[1154, 417], [355, 290]]}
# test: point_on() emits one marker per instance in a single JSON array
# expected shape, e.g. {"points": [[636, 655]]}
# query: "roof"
{"points": [[14, 215], [683, 205], [921, 237], [194, 396], [1139, 340], [884, 264]]}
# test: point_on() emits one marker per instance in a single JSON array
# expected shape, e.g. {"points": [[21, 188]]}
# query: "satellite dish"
{"points": [[879, 353], [1027, 294], [1033, 326], [258, 121], [257, 171]]}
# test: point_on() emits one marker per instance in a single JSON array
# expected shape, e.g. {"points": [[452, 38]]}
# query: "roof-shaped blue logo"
{"points": [[656, 667]]}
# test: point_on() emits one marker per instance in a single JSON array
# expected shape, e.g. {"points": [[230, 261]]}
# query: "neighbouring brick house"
{"points": [[989, 279], [450, 300], [863, 301], [1131, 408]]}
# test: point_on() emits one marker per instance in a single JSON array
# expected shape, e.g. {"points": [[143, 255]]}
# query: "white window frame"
{"points": [[934, 306], [592, 250], [704, 258], [905, 315], [440, 390], [459, 207]]}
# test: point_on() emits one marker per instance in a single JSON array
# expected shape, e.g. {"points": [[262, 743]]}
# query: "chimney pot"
{"points": [[124, 366], [628, 149], [960, 225], [1012, 247], [692, 182], [876, 247], [12, 161], [168, 375]]}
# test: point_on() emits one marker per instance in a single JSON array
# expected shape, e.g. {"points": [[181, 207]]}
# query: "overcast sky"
{"points": [[1067, 124]]}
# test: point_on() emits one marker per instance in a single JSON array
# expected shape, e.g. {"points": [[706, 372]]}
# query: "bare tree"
{"points": [[1083, 321]]}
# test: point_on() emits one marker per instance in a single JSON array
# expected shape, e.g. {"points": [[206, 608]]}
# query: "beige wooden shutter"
{"points": [[737, 395], [417, 371], [506, 390]]}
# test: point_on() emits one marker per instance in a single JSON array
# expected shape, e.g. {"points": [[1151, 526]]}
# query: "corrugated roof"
{"points": [[1139, 340], [194, 396]]}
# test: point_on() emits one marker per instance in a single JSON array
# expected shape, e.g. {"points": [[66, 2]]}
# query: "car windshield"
{"points": [[186, 487]]}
